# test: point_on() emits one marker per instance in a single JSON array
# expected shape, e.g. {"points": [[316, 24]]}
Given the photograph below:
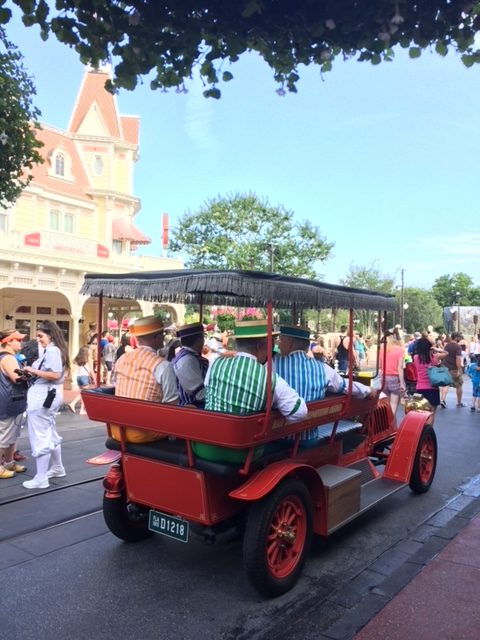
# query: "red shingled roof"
{"points": [[130, 128], [53, 139], [93, 91]]}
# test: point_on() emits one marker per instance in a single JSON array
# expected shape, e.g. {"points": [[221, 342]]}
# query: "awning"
{"points": [[124, 229]]}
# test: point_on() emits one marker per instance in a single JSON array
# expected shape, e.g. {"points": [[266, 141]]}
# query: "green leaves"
{"points": [[243, 231], [148, 37]]}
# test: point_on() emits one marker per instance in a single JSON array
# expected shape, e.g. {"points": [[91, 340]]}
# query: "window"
{"points": [[60, 164], [117, 246], [98, 165], [54, 222], [68, 223]]}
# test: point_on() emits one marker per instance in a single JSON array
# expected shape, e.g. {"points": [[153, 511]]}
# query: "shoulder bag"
{"points": [[439, 376]]}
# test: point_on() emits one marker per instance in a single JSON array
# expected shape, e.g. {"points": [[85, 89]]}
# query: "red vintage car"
{"points": [[279, 500]]}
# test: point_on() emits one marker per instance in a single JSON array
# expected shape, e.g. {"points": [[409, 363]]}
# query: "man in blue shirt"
{"points": [[311, 378]]}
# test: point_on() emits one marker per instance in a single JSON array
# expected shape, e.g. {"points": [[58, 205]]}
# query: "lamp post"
{"points": [[458, 311]]}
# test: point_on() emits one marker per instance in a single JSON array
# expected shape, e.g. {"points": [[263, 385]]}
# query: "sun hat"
{"points": [[250, 329], [417, 335], [13, 336], [192, 329], [293, 331], [146, 326]]}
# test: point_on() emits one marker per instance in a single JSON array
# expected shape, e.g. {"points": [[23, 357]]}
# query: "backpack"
{"points": [[30, 351], [410, 372]]}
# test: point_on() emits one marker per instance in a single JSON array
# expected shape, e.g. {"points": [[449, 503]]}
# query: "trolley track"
{"points": [[51, 489]]}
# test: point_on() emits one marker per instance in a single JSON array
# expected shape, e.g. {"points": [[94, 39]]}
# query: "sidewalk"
{"points": [[441, 602]]}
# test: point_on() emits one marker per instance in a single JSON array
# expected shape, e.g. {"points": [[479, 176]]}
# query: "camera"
{"points": [[50, 398], [25, 378]]}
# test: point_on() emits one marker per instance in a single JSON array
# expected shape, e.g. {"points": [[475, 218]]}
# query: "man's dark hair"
{"points": [[30, 351], [189, 341]]}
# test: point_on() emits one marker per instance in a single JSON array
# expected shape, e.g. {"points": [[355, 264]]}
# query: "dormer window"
{"points": [[60, 164]]}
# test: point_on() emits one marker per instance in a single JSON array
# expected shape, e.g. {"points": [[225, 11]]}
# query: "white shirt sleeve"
{"points": [[337, 384], [165, 377], [288, 402]]}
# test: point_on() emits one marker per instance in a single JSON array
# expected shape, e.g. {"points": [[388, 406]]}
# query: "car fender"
{"points": [[400, 461], [265, 480]]}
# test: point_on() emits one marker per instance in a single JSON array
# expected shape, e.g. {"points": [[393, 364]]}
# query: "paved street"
{"points": [[77, 580]]}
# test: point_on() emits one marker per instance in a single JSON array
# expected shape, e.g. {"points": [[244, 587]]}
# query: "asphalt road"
{"points": [[76, 580]]}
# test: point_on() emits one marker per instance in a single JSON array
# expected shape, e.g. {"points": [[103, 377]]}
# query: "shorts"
{"points": [[432, 395], [10, 430], [109, 364], [83, 381], [458, 380], [392, 385]]}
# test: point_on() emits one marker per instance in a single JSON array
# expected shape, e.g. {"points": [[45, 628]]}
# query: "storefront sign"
{"points": [[66, 243]]}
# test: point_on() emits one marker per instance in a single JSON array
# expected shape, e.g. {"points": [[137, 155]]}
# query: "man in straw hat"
{"points": [[190, 366], [239, 385], [310, 377], [144, 375]]}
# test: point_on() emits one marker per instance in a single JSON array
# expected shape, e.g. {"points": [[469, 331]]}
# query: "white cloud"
{"points": [[198, 118]]}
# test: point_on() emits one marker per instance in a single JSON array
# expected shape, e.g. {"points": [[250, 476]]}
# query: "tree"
{"points": [[456, 289], [368, 277], [174, 38], [18, 144], [244, 232], [423, 310]]}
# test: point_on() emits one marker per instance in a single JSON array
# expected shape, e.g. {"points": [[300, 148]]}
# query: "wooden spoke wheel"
{"points": [[277, 538], [425, 462]]}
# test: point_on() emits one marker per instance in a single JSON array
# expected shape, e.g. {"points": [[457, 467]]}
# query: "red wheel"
{"points": [[277, 538], [425, 462]]}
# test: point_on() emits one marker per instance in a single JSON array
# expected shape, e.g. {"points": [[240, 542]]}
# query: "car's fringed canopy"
{"points": [[233, 287]]}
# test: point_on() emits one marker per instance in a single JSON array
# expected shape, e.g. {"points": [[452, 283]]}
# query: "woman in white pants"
{"points": [[43, 401]]}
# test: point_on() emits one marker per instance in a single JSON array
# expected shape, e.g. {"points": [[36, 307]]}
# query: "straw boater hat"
{"points": [[146, 326], [187, 330], [293, 331], [250, 329]]}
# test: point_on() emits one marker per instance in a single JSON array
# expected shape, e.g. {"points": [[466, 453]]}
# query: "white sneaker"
{"points": [[36, 484], [56, 472]]}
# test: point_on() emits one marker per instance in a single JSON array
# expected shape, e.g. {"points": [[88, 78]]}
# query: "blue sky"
{"points": [[384, 160]]}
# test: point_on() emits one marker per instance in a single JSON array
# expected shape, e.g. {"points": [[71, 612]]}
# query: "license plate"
{"points": [[166, 525]]}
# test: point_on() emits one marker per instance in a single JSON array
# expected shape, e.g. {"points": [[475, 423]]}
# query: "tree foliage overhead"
{"points": [[244, 232], [456, 289], [174, 38], [423, 310], [18, 144]]}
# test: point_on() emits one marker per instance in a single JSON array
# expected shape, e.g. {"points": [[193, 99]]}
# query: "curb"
{"points": [[426, 542]]}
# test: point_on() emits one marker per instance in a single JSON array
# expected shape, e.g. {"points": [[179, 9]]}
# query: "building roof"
{"points": [[93, 94], [56, 140]]}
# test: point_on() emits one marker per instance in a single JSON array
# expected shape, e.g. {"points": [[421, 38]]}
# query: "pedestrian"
{"points": [[12, 401], [44, 399], [474, 372], [394, 368], [108, 355], [454, 363], [341, 345], [426, 355], [361, 349], [84, 377]]}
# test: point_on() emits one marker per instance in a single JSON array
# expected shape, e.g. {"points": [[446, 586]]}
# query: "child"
{"points": [[474, 372]]}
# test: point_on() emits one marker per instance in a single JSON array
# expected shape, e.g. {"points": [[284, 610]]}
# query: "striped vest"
{"points": [[305, 375], [134, 375], [237, 385], [184, 397]]}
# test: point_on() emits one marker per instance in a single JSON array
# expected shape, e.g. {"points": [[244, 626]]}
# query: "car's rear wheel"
{"points": [[126, 520]]}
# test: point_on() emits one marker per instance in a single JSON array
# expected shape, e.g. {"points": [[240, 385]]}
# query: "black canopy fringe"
{"points": [[235, 288]]}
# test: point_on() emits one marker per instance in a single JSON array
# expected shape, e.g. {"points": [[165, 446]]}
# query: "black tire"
{"points": [[425, 462], [125, 520], [273, 563]]}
